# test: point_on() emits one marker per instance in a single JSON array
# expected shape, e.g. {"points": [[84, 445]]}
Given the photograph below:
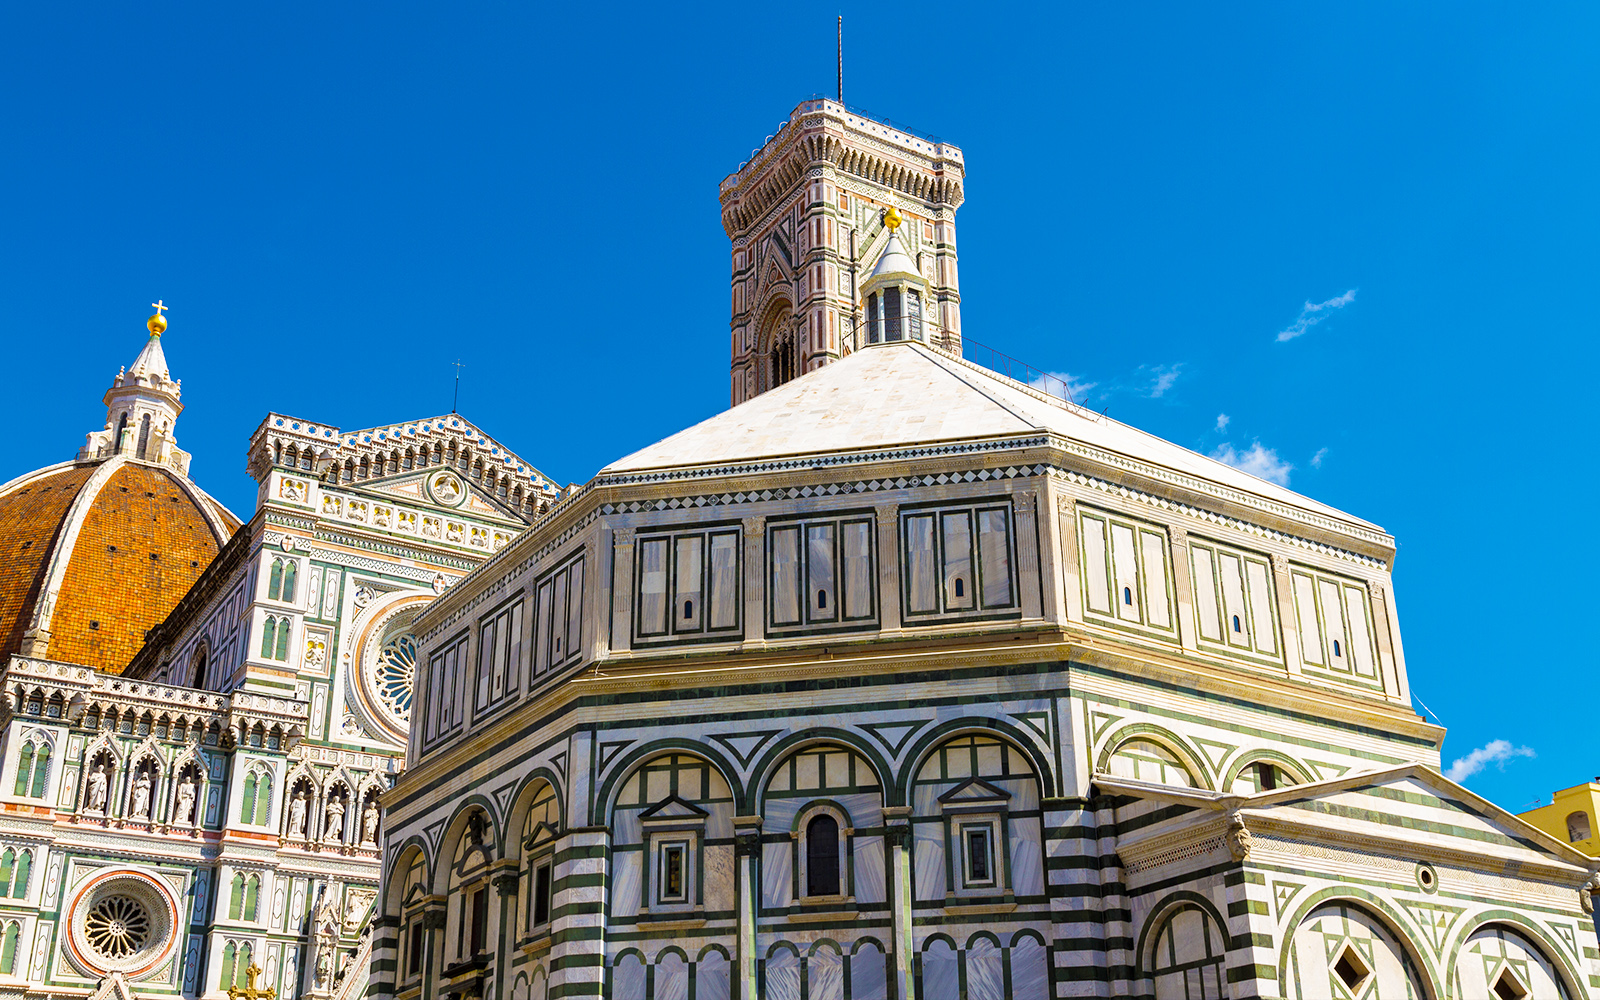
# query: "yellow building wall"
{"points": [[1561, 817]]}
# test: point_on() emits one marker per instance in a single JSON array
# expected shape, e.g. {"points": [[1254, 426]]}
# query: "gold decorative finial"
{"points": [[158, 322], [892, 219]]}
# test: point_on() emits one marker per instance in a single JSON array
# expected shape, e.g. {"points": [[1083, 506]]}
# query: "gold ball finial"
{"points": [[158, 322], [892, 219]]}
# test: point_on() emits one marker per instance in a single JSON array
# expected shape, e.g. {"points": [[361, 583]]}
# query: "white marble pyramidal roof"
{"points": [[906, 394]]}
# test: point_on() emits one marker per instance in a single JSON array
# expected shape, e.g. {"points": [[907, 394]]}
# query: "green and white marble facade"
{"points": [[930, 604]]}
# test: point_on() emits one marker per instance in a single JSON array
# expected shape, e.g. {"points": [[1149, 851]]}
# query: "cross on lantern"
{"points": [[249, 991], [158, 307]]}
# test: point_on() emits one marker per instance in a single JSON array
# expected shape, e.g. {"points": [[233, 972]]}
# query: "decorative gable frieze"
{"points": [[447, 443]]}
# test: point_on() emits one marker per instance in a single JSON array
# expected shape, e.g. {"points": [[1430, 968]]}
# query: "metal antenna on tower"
{"points": [[456, 398], [841, 58]]}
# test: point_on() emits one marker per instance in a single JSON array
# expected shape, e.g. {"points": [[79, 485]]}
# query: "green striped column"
{"points": [[578, 916]]}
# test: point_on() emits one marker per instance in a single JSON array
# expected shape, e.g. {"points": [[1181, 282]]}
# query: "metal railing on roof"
{"points": [[1018, 371]]}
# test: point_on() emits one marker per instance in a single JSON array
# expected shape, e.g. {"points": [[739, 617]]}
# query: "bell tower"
{"points": [[832, 199]]}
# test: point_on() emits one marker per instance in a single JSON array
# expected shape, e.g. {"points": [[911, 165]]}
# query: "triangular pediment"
{"points": [[402, 459], [542, 833], [673, 807], [1411, 810], [974, 791]]}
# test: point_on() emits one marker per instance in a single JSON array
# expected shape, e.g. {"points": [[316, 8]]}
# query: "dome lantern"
{"points": [[895, 294], [142, 407]]}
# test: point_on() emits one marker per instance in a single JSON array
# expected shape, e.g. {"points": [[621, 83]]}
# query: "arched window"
{"points": [[24, 768], [247, 800], [198, 676], [1262, 776], [1188, 956], [33, 769], [269, 636], [236, 900], [275, 580], [263, 813], [144, 435], [8, 864], [1143, 760], [122, 425], [225, 979], [19, 882], [290, 568], [1237, 627], [239, 978], [252, 895], [822, 856], [1578, 827], [8, 949]]}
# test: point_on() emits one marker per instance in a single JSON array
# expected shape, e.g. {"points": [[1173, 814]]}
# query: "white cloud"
{"points": [[1057, 383], [1497, 752], [1315, 312], [1161, 378], [1257, 460], [1316, 460], [1222, 422]]}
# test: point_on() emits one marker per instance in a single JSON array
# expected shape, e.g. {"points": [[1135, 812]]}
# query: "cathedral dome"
{"points": [[96, 551]]}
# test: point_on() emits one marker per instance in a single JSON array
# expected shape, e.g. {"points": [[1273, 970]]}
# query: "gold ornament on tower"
{"points": [[158, 322], [892, 219]]}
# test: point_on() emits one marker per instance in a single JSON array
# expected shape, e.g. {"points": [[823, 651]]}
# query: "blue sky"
{"points": [[339, 200]]}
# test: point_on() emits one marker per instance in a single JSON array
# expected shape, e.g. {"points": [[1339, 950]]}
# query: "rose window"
{"points": [[117, 927], [397, 666]]}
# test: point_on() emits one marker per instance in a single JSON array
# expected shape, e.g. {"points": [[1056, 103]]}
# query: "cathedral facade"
{"points": [[201, 715], [902, 679]]}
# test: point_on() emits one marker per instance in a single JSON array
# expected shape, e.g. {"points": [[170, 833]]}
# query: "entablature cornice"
{"points": [[82, 688]]}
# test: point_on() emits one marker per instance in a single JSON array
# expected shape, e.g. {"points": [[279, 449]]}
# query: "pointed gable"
{"points": [[488, 477], [975, 791], [673, 808]]}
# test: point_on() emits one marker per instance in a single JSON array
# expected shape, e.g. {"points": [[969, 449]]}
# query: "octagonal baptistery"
{"points": [[96, 551], [905, 679]]}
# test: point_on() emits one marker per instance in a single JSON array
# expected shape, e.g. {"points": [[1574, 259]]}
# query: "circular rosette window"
{"points": [[388, 668], [393, 674], [122, 921]]}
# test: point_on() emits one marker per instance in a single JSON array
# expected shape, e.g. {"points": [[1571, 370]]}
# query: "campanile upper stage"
{"points": [[821, 131]]}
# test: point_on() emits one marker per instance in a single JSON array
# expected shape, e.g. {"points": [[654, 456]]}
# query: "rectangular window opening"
{"points": [[541, 895], [673, 875]]}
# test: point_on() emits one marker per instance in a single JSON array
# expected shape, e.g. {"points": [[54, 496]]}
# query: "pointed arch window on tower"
{"points": [[144, 436], [122, 425]]}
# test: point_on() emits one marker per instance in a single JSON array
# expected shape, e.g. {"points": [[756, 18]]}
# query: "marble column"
{"points": [[747, 851], [755, 568], [888, 516], [897, 842], [1182, 582], [578, 913], [622, 588], [1071, 576], [1028, 561], [1283, 583]]}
